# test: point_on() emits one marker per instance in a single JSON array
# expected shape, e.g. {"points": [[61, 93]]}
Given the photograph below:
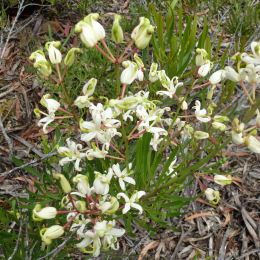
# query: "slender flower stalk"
{"points": [[105, 54]]}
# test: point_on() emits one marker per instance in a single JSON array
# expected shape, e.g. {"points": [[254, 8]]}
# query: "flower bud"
{"points": [[47, 234], [212, 195], [211, 92], [117, 32], [142, 33], [37, 56], [217, 76], [109, 207], [65, 185], [37, 112], [45, 213], [201, 135], [54, 53], [252, 144], [44, 67], [219, 126], [205, 68], [184, 105], [220, 119], [138, 61], [90, 30], [81, 206], [201, 56], [89, 87], [257, 119], [153, 75], [222, 179], [51, 104], [70, 57]]}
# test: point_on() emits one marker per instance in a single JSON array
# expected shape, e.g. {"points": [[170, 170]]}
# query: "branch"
{"points": [[27, 164], [19, 236], [8, 140]]}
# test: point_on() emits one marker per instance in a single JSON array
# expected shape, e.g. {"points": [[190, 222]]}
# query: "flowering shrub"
{"points": [[121, 160]]}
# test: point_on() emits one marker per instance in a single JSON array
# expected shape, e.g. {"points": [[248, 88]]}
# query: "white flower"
{"points": [[252, 143], [255, 58], [212, 195], [201, 57], [231, 74], [96, 153], [131, 203], [72, 152], [153, 74], [51, 104], [122, 175], [170, 85], [222, 179], [45, 213], [130, 73], [82, 101], [201, 114], [108, 207], [54, 53], [205, 68], [217, 76], [155, 141], [201, 135], [90, 30], [142, 33], [45, 121], [109, 233], [51, 233], [82, 185], [90, 237], [101, 182]]}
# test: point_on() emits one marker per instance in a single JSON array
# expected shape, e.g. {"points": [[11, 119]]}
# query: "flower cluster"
{"points": [[107, 129], [84, 206]]}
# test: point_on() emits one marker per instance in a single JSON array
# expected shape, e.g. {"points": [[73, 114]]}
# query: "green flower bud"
{"points": [[81, 206], [117, 32], [37, 112], [219, 126], [201, 135], [47, 234], [70, 57], [222, 179], [211, 108], [138, 61], [220, 119], [44, 67], [142, 33], [211, 92], [46, 213], [65, 185]]}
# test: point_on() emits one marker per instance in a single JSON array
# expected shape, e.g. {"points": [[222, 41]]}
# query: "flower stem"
{"points": [[246, 92], [105, 54], [69, 222], [129, 54], [126, 49], [108, 50]]}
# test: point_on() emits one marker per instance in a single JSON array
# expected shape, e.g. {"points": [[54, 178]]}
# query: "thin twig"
{"points": [[20, 9], [18, 238], [257, 250], [27, 164], [59, 247], [8, 140], [26, 238], [222, 249]]}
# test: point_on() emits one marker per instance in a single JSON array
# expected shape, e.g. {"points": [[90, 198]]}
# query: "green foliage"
{"points": [[244, 17]]}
